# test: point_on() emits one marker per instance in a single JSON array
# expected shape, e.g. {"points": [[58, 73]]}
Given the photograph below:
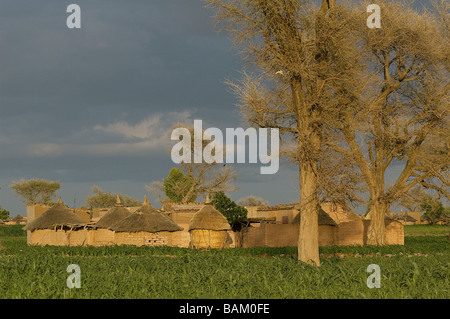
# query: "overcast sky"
{"points": [[93, 106]]}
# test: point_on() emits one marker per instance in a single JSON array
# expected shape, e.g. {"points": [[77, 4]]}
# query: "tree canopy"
{"points": [[102, 199], [177, 185], [4, 214], [35, 191], [234, 213], [433, 209]]}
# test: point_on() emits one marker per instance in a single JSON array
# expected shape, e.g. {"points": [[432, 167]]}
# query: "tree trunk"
{"points": [[308, 145], [308, 239], [308, 119], [376, 233]]}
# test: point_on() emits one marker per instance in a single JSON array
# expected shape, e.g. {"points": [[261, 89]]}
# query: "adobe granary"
{"points": [[209, 229]]}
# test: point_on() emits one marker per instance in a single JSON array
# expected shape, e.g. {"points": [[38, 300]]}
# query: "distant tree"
{"points": [[102, 199], [35, 191], [4, 214], [413, 199], [433, 210], [252, 200], [17, 219], [173, 188], [207, 177], [177, 185], [234, 213]]}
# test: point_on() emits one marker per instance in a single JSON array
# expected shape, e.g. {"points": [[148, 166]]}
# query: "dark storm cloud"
{"points": [[129, 61], [69, 96]]}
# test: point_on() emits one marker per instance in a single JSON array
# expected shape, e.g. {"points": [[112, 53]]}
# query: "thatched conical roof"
{"points": [[149, 222], [146, 218], [57, 215], [324, 218], [146, 207], [114, 215], [209, 218]]}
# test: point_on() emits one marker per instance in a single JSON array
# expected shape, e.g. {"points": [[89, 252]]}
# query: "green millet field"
{"points": [[419, 269]]}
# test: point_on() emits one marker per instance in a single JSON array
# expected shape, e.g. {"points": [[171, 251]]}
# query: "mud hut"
{"points": [[209, 229], [102, 234], [57, 226], [146, 226]]}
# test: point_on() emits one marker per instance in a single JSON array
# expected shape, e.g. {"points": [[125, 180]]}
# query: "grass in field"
{"points": [[427, 230], [419, 269], [12, 230]]}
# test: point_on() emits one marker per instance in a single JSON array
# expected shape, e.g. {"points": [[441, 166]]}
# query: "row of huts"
{"points": [[196, 225], [59, 226]]}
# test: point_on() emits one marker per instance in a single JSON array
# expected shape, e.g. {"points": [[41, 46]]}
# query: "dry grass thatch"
{"points": [[146, 218], [146, 207], [148, 222], [209, 218], [57, 215], [208, 239], [113, 216]]}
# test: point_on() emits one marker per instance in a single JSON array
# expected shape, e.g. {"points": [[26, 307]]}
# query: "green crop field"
{"points": [[419, 269]]}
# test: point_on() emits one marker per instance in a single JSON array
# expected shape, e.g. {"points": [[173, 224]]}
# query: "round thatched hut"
{"points": [[102, 234], [146, 226], [114, 215], [209, 229], [58, 226]]}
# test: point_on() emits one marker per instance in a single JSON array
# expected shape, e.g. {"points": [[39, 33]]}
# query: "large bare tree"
{"points": [[400, 115], [298, 56], [376, 97]]}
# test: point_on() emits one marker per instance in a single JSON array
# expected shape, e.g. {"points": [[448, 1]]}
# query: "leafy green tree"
{"points": [[177, 185], [35, 191], [4, 214], [433, 210], [234, 213], [102, 199]]}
